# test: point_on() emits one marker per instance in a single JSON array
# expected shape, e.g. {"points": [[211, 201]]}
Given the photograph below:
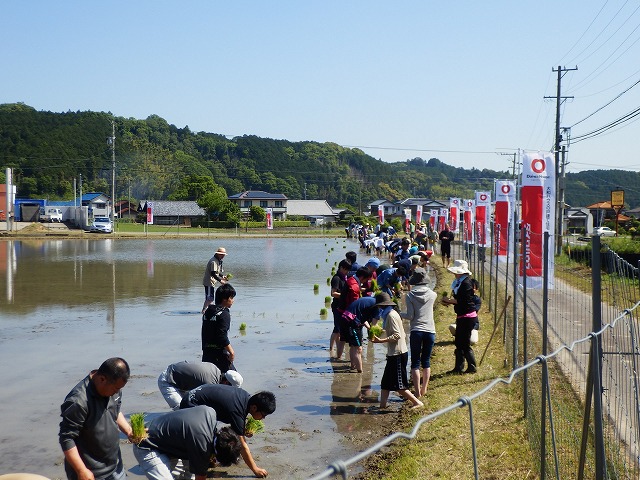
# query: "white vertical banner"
{"points": [[538, 197], [418, 214], [433, 219], [380, 214], [407, 220], [483, 219], [454, 214], [469, 218], [269, 212], [503, 224], [444, 217], [149, 213]]}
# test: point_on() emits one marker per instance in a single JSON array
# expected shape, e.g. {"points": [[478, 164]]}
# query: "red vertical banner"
{"points": [[454, 214], [469, 211], [418, 214], [505, 194], [149, 213], [483, 219], [538, 197], [433, 217], [407, 220], [380, 214], [269, 218]]}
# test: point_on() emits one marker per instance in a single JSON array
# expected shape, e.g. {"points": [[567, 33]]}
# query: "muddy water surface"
{"points": [[67, 305]]}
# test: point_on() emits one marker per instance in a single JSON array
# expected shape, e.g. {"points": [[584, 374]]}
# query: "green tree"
{"points": [[231, 213], [215, 202], [194, 187], [257, 214]]}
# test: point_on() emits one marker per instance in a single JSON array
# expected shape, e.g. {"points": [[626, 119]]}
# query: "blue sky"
{"points": [[460, 81]]}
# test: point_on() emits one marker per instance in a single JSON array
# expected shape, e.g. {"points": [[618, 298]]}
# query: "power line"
{"points": [[606, 104]]}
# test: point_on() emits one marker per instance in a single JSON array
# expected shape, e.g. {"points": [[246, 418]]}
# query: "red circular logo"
{"points": [[455, 201], [538, 165], [483, 197], [506, 189]]}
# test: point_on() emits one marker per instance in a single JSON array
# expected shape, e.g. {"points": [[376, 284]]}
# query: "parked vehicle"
{"points": [[604, 232], [50, 214], [101, 225]]}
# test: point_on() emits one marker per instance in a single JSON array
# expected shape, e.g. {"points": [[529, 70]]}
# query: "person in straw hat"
{"points": [[466, 316], [213, 275], [394, 377]]}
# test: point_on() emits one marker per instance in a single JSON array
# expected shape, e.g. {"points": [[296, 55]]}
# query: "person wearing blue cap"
{"points": [[368, 286]]}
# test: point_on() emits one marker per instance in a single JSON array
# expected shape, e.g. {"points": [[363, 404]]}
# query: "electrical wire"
{"points": [[598, 131], [606, 104]]}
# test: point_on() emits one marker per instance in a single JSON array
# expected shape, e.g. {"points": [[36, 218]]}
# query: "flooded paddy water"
{"points": [[67, 305]]}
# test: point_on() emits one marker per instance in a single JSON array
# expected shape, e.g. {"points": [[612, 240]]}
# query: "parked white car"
{"points": [[604, 232], [101, 225]]}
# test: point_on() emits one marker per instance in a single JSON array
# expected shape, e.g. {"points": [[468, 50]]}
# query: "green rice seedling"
{"points": [[253, 426], [327, 299], [317, 266], [323, 311], [137, 425], [316, 287], [243, 326], [328, 281], [229, 276], [445, 293], [375, 331]]}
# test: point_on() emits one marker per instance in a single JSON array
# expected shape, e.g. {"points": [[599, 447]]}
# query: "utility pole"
{"points": [[513, 163], [559, 208], [113, 175]]}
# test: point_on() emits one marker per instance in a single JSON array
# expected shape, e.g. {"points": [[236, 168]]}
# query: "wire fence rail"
{"points": [[581, 402]]}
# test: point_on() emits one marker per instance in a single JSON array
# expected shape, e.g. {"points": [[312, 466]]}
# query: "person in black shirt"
{"points": [[446, 237], [216, 321], [232, 405], [466, 316]]}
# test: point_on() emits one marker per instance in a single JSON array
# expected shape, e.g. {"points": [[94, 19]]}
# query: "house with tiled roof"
{"points": [[312, 210], [257, 198], [390, 208], [168, 212]]}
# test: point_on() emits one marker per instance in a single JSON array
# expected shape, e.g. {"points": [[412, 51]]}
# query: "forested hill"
{"points": [[157, 160]]}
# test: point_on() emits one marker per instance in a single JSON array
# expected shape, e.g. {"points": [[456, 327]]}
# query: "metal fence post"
{"points": [[545, 368], [596, 367]]}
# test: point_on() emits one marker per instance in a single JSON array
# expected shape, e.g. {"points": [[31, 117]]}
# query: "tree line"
{"points": [[157, 160]]}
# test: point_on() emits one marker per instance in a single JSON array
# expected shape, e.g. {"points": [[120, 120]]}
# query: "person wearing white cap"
{"points": [[466, 316], [213, 275], [180, 377]]}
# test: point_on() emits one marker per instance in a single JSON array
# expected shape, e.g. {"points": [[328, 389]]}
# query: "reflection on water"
{"points": [[66, 305]]}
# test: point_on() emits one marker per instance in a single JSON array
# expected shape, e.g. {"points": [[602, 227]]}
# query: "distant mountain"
{"points": [[153, 159]]}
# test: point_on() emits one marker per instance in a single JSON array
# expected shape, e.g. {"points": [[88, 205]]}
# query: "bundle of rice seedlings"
{"points": [[229, 276], [327, 299], [316, 286], [253, 426], [445, 293], [375, 331], [137, 425], [323, 311], [243, 326]]}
